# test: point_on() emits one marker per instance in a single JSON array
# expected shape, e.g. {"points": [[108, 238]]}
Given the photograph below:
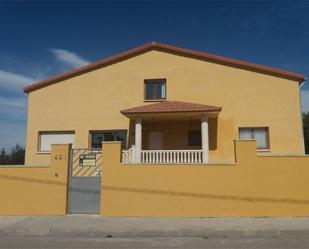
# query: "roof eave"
{"points": [[153, 45], [87, 68], [141, 114]]}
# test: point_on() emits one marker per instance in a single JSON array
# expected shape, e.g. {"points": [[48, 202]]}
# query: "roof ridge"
{"points": [[169, 48]]}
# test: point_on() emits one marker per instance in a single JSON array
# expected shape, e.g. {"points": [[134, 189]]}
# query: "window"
{"points": [[260, 134], [194, 138], [46, 139], [98, 136], [155, 89]]}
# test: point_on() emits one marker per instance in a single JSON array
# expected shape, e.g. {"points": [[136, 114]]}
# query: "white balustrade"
{"points": [[163, 156], [171, 156], [128, 156]]}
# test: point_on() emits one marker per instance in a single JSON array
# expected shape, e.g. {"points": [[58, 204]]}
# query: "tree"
{"points": [[306, 131], [4, 157], [15, 156]]}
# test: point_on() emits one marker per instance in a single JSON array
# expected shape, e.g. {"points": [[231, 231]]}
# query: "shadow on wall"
{"points": [[204, 195], [159, 192], [255, 186], [30, 180], [213, 133]]}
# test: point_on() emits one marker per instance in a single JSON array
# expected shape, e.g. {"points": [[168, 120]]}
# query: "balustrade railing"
{"points": [[128, 156], [163, 156], [171, 156]]}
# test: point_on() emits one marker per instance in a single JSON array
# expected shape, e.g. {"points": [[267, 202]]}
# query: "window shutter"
{"points": [[47, 139]]}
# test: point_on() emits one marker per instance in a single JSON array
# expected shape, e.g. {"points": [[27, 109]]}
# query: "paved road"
{"points": [[83, 225], [298, 241]]}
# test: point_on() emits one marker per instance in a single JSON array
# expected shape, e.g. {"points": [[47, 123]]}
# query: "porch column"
{"points": [[205, 142], [138, 139]]}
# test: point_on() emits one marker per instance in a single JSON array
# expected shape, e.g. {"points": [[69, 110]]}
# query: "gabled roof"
{"points": [[170, 49], [170, 107]]}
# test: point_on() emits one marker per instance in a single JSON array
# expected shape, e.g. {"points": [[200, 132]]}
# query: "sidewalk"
{"points": [[92, 225]]}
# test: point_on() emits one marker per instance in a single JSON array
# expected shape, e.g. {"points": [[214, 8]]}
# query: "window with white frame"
{"points": [[260, 134], [46, 139], [155, 89]]}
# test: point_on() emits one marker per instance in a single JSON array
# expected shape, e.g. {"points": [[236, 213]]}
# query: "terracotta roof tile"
{"points": [[171, 107], [167, 48]]}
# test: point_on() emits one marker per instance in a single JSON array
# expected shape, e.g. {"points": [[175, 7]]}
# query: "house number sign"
{"points": [[87, 160]]}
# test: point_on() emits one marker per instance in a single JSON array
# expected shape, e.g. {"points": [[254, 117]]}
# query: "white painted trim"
{"points": [[244, 140], [171, 156], [205, 139], [128, 156], [110, 142], [138, 139]]}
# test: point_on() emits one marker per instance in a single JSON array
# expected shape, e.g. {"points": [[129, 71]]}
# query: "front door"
{"points": [[155, 140]]}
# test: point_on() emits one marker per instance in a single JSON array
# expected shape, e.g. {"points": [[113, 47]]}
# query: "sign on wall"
{"points": [[87, 160]]}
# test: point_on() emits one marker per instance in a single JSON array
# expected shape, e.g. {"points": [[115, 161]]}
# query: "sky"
{"points": [[42, 39]]}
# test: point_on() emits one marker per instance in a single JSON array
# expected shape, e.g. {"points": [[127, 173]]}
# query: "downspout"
{"points": [[301, 115]]}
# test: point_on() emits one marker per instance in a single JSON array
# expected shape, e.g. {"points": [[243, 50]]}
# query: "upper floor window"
{"points": [[261, 135], [155, 89]]}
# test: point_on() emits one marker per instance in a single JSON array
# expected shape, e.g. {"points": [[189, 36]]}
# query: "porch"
{"points": [[171, 132]]}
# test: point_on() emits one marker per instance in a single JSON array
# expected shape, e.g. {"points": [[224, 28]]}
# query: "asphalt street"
{"points": [[292, 241]]}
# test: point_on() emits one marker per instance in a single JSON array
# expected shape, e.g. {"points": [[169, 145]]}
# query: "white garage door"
{"points": [[47, 139]]}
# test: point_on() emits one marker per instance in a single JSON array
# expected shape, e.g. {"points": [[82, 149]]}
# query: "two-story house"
{"points": [[171, 105]]}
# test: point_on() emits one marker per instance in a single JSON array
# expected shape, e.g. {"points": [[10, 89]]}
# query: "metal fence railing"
{"points": [[86, 162]]}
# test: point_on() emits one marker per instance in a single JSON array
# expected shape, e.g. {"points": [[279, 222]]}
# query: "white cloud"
{"points": [[305, 100], [13, 81], [13, 113], [13, 108], [69, 58]]}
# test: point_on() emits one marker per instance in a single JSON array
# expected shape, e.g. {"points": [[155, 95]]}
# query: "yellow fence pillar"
{"points": [[60, 160], [36, 190], [60, 157], [111, 161]]}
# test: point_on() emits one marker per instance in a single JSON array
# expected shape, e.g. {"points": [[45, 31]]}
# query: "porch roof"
{"points": [[166, 107]]}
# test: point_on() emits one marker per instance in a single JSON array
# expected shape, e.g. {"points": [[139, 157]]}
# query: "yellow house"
{"points": [[166, 105], [183, 134]]}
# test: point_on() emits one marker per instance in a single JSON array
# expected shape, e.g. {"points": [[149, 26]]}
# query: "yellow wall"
{"points": [[36, 190], [92, 101], [255, 186]]}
